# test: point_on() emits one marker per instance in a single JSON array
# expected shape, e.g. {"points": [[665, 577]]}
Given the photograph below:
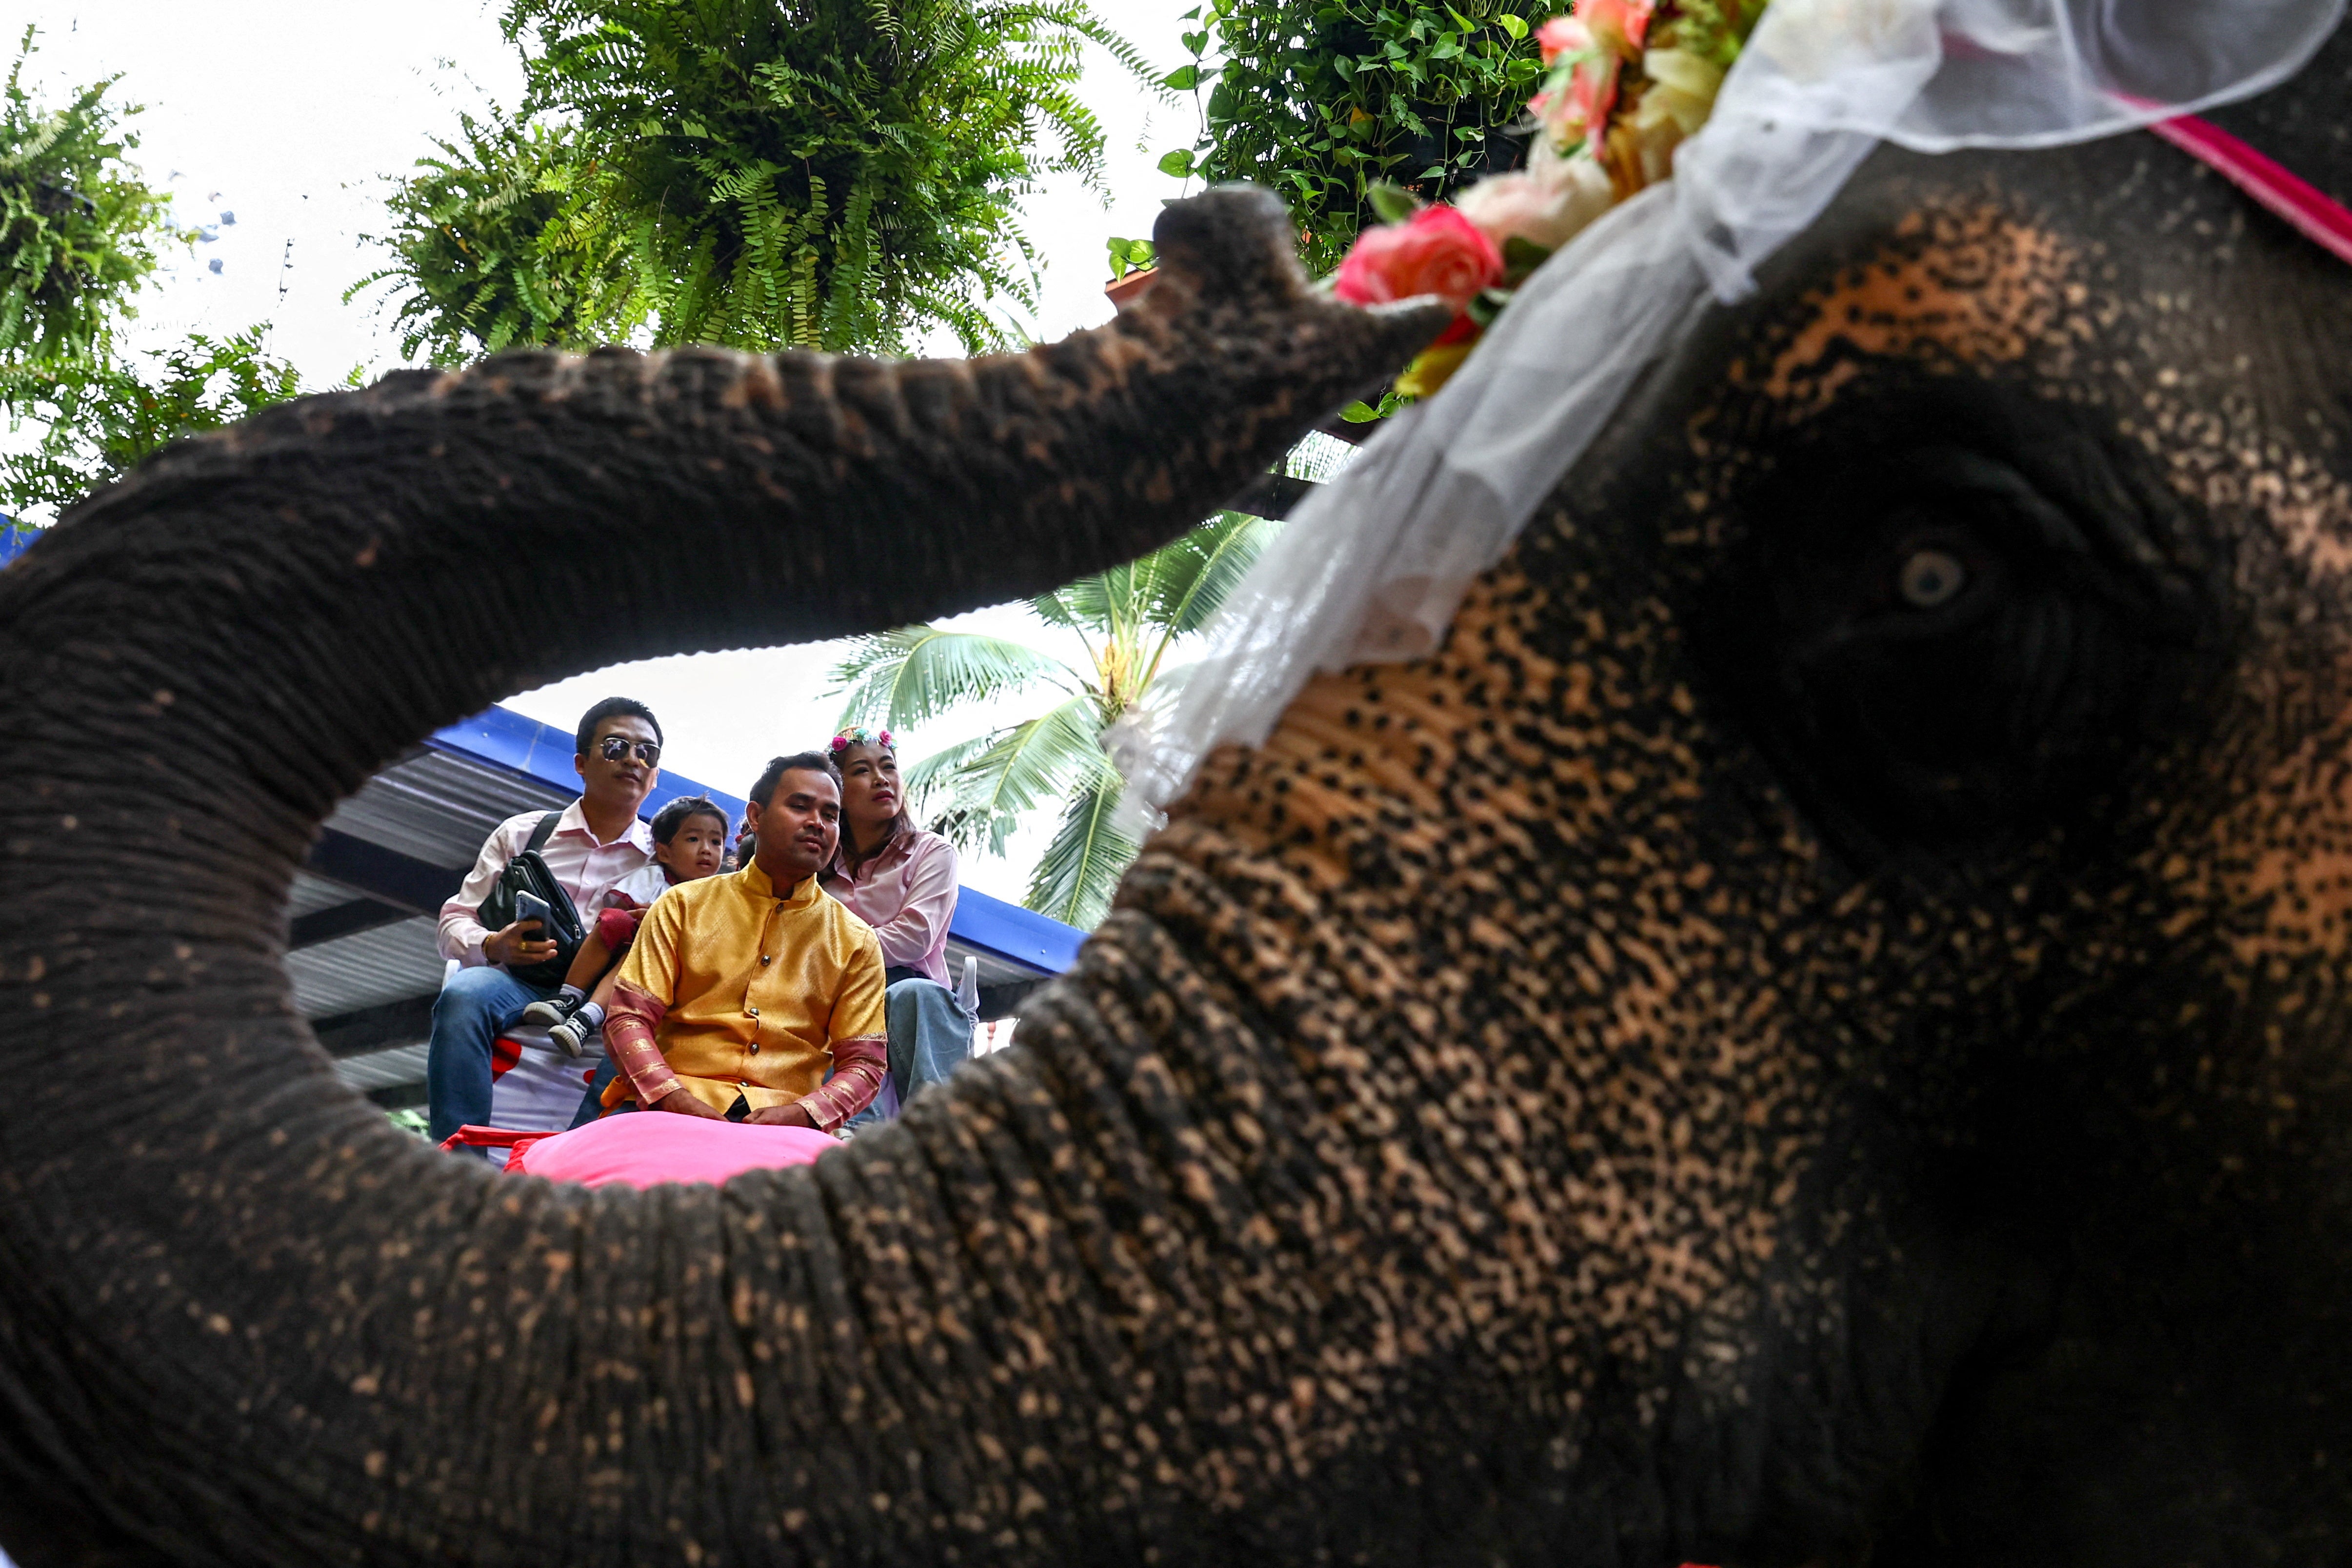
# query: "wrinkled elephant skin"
{"points": [[1808, 1032]]}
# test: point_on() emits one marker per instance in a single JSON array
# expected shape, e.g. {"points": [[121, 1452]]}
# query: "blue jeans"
{"points": [[467, 1015], [592, 1104], [930, 1037]]}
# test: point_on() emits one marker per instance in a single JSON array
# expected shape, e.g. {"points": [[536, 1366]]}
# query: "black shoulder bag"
{"points": [[528, 873]]}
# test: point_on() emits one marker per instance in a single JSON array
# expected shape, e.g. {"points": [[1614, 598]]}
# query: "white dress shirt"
{"points": [[586, 868]]}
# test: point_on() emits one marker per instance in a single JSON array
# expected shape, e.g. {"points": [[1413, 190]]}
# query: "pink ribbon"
{"points": [[2318, 215]]}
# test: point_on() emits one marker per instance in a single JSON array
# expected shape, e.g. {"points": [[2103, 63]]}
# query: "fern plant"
{"points": [[78, 230], [79, 233], [1130, 619], [495, 246], [101, 416], [836, 174]]}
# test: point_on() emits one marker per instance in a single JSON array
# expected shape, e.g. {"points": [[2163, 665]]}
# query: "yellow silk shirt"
{"points": [[757, 989]]}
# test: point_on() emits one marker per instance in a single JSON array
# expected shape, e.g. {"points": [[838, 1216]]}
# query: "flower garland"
{"points": [[1627, 82]]}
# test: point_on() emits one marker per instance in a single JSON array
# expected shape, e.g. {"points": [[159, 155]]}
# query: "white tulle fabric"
{"points": [[1372, 565]]}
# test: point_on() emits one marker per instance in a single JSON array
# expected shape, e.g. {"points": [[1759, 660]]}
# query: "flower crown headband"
{"points": [[1760, 111], [861, 735], [1626, 82]]}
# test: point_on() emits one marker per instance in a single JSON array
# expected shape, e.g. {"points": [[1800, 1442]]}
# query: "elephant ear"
{"points": [[212, 1248]]}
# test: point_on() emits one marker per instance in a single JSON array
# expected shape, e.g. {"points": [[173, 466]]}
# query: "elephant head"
{"points": [[1806, 1032]]}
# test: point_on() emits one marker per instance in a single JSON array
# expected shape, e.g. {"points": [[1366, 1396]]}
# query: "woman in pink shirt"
{"points": [[901, 881]]}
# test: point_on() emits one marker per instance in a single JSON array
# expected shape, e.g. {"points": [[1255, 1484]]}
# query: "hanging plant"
{"points": [[494, 246], [79, 229], [1325, 102]]}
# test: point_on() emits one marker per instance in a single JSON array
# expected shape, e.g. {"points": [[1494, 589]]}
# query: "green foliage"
{"points": [[1086, 855], [829, 173], [79, 231], [918, 673], [1129, 255], [102, 417], [978, 793], [496, 246], [78, 234], [1322, 100]]}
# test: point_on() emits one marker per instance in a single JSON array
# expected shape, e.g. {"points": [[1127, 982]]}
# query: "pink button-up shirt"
{"points": [[588, 870], [907, 894]]}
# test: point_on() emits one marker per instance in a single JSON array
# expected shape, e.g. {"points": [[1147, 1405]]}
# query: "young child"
{"points": [[689, 843]]}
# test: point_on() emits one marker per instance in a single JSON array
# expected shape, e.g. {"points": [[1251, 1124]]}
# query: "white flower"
{"points": [[1547, 206], [1811, 40]]}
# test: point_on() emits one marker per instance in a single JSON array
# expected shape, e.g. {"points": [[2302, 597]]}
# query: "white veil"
{"points": [[1373, 565]]}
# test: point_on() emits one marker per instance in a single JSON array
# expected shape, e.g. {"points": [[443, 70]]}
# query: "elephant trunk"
{"points": [[241, 1320]]}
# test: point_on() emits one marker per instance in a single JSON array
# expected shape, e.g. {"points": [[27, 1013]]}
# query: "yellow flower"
{"points": [[1430, 372], [1683, 86], [1671, 100]]}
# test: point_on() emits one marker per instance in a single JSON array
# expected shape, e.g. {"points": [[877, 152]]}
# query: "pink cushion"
{"points": [[646, 1148]]}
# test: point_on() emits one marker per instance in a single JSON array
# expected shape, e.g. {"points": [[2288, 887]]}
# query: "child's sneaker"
{"points": [[580, 1024], [553, 1010]]}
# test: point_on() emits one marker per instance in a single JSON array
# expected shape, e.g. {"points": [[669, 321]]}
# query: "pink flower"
{"points": [[1562, 35], [1625, 23], [1439, 252], [1593, 93], [1582, 111], [1584, 53]]}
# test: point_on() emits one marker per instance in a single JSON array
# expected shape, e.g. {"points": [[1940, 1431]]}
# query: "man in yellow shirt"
{"points": [[742, 990]]}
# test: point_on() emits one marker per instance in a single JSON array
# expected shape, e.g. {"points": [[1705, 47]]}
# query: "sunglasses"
{"points": [[616, 746]]}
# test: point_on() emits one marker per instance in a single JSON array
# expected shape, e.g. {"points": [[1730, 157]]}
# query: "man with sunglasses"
{"points": [[596, 842]]}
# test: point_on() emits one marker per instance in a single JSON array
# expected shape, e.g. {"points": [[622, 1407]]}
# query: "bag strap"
{"points": [[541, 833]]}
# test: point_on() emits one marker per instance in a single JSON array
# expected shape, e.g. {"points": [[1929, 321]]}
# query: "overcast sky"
{"points": [[275, 122]]}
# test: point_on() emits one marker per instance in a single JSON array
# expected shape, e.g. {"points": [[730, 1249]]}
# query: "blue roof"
{"points": [[505, 738], [14, 537]]}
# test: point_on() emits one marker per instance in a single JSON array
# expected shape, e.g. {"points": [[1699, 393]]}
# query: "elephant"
{"points": [[1808, 1031]]}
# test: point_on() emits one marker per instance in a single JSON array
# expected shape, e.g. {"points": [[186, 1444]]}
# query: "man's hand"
{"points": [[517, 944], [684, 1102], [793, 1115]]}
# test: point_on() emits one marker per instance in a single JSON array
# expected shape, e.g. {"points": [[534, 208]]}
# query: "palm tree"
{"points": [[1130, 618]]}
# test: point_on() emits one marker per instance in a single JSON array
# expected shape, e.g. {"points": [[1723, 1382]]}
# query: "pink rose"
{"points": [[1581, 111], [1439, 252], [1562, 35], [1623, 22]]}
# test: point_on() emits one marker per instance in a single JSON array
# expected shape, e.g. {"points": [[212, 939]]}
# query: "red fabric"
{"points": [[474, 1136], [648, 1148], [630, 1024], [504, 1054], [859, 1065], [618, 927]]}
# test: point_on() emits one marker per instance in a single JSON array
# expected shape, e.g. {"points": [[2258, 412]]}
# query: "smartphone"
{"points": [[528, 906]]}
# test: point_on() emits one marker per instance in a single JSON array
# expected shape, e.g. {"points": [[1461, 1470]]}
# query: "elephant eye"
{"points": [[1930, 578], [1935, 652]]}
